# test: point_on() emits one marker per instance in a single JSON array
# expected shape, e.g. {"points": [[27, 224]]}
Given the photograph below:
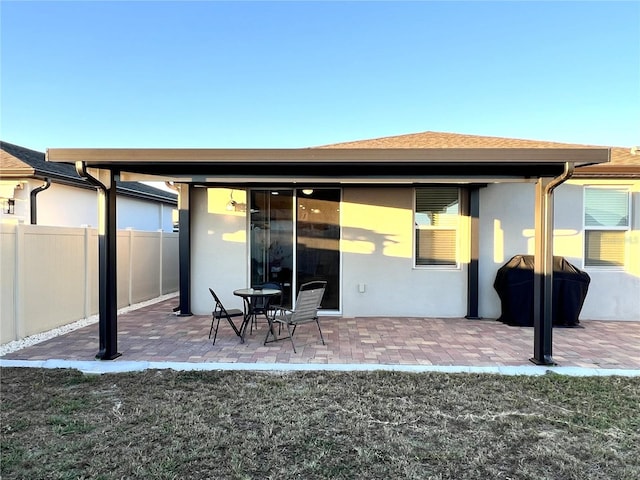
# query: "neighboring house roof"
{"points": [[19, 162], [625, 162]]}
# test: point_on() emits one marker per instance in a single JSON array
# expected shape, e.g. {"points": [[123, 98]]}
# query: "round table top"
{"points": [[254, 292]]}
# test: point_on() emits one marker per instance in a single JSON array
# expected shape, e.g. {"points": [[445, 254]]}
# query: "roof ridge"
{"points": [[470, 136]]}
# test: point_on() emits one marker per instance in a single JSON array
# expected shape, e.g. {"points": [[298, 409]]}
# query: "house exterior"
{"points": [[370, 252], [606, 247], [39, 192], [414, 225]]}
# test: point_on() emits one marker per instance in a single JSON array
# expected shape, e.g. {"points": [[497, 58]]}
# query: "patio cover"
{"points": [[547, 167], [334, 165]]}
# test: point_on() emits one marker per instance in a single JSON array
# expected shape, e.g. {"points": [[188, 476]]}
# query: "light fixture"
{"points": [[10, 206], [307, 191], [233, 206]]}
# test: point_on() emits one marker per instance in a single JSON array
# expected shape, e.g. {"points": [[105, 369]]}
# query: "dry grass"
{"points": [[245, 425]]}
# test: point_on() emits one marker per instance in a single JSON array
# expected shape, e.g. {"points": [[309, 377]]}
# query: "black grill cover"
{"points": [[514, 284]]}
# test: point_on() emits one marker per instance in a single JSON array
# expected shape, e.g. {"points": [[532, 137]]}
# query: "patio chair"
{"points": [[264, 305], [220, 312], [305, 311]]}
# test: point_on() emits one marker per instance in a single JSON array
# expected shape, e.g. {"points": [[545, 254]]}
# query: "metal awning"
{"points": [[547, 167], [331, 165]]}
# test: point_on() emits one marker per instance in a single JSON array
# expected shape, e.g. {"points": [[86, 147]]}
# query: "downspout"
{"points": [[564, 176], [33, 202], [543, 267], [81, 169]]}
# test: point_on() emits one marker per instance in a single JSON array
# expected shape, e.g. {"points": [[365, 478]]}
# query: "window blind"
{"points": [[436, 247], [606, 207], [604, 248], [437, 220]]}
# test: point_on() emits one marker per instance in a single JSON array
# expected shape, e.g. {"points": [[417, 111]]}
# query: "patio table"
{"points": [[248, 295]]}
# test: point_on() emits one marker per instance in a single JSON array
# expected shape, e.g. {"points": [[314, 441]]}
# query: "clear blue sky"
{"points": [[298, 74]]}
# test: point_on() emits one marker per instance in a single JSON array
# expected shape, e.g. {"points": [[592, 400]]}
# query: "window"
{"points": [[436, 224], [606, 221]]}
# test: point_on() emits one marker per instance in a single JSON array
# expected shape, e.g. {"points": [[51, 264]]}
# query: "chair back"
{"points": [[219, 309], [308, 301], [259, 304]]}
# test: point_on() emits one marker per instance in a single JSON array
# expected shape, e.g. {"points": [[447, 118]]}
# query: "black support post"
{"points": [[107, 282], [473, 283], [184, 249], [543, 275]]}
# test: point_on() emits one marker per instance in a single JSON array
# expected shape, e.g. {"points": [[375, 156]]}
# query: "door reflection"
{"points": [[314, 230]]}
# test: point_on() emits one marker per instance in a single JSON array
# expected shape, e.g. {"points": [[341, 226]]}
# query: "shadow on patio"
{"points": [[153, 333]]}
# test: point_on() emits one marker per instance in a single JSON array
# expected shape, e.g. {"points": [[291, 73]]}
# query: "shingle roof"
{"points": [[21, 162], [623, 162]]}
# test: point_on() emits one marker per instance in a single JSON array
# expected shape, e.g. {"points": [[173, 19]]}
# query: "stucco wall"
{"points": [[66, 206], [219, 257], [507, 229], [59, 205], [377, 252], [143, 215], [614, 293], [377, 247]]}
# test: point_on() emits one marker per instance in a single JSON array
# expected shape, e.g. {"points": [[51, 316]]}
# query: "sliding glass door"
{"points": [[295, 238], [272, 238], [318, 241]]}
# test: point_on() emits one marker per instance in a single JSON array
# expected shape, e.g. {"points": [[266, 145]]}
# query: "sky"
{"points": [[240, 74]]}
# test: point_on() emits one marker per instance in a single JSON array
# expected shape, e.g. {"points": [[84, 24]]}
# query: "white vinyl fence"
{"points": [[49, 275]]}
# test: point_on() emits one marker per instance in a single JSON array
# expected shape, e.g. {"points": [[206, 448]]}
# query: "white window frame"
{"points": [[456, 229], [613, 228]]}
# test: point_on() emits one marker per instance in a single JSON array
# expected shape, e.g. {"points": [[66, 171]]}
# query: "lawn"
{"points": [[162, 424]]}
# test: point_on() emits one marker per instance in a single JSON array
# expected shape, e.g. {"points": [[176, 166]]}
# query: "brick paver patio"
{"points": [[153, 333]]}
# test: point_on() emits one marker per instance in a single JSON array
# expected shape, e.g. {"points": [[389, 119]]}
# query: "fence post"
{"points": [[18, 300], [87, 286], [160, 232], [130, 265]]}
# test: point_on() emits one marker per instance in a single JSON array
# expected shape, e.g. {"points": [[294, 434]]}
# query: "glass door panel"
{"points": [[318, 241], [272, 239]]}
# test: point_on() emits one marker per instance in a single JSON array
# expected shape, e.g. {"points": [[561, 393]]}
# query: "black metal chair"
{"points": [[263, 305], [305, 311], [220, 312]]}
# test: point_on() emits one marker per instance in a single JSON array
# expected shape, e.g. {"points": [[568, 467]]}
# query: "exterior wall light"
{"points": [[233, 206], [10, 206]]}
